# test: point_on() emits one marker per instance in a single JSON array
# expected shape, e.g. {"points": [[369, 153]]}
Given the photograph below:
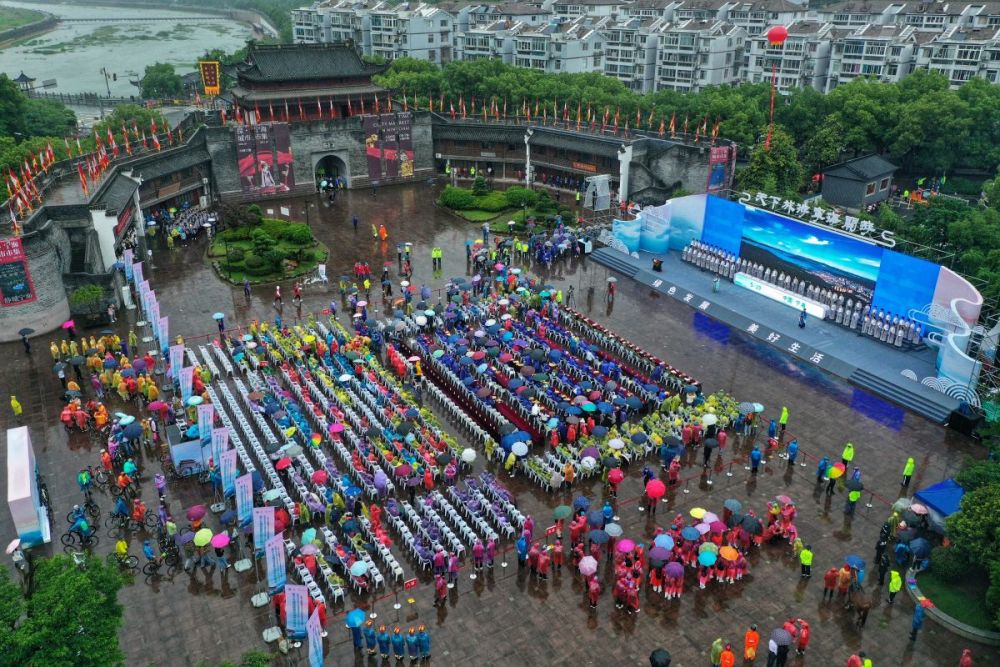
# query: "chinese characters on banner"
{"points": [[206, 413], [806, 212], [314, 630], [244, 498], [274, 555], [187, 378], [210, 77], [227, 465], [263, 527], [163, 329], [296, 609], [176, 361], [16, 286], [220, 442]]}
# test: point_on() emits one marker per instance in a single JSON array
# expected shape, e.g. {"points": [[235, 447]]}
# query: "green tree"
{"points": [[975, 528], [161, 81], [71, 619], [776, 170], [978, 474], [12, 104], [227, 60], [46, 118]]}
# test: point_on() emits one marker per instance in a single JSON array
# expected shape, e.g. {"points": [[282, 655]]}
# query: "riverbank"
{"points": [[17, 23]]}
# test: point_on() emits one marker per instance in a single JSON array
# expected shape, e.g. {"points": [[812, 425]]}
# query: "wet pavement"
{"points": [[505, 618]]}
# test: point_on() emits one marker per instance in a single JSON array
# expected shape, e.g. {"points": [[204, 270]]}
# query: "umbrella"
{"points": [[359, 568], [592, 452], [561, 512], [707, 558], [781, 637], [906, 535], [733, 505], [625, 546], [355, 618], [709, 419], [598, 536], [14, 544], [227, 517], [639, 438], [616, 443], [745, 408], [588, 462], [271, 494], [758, 408], [403, 470], [26, 331], [854, 561], [156, 405], [664, 541], [674, 570], [660, 658], [588, 566], [709, 517], [611, 462], [58, 367], [444, 458], [309, 550], [124, 419], [599, 431], [79, 361], [855, 485], [752, 525], [717, 527], [320, 477], [68, 324], [195, 400], [202, 537], [220, 541], [468, 455], [581, 503], [729, 553], [185, 537], [196, 512], [595, 518], [918, 509], [835, 471], [691, 534], [901, 504], [910, 517], [132, 431], [697, 512], [613, 529], [218, 316], [655, 489], [784, 500], [703, 528], [920, 547], [519, 449], [616, 476], [708, 547], [283, 463]]}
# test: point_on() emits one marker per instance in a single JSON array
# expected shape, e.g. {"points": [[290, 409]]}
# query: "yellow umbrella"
{"points": [[696, 512], [202, 537]]}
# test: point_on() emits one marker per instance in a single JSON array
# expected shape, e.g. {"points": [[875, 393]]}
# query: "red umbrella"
{"points": [[320, 477], [616, 475], [717, 527], [196, 512], [654, 488], [283, 463], [157, 405]]}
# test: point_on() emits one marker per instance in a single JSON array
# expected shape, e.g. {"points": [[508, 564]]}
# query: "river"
{"points": [[74, 53]]}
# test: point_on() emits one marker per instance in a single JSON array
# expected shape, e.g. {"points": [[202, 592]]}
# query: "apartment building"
{"points": [[573, 9], [922, 16], [756, 17], [696, 53], [650, 9], [489, 42], [426, 33], [887, 52], [630, 47], [962, 53], [803, 60], [568, 46], [330, 22]]}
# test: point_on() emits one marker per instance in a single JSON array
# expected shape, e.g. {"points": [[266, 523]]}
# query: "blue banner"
{"points": [[227, 464], [244, 498], [176, 361], [220, 443], [314, 630], [187, 381], [127, 261], [274, 553], [263, 527], [206, 413], [296, 609], [163, 330]]}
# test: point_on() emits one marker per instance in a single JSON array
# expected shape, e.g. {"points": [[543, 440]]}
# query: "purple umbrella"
{"points": [[659, 553], [592, 452], [185, 537], [674, 570], [403, 470]]}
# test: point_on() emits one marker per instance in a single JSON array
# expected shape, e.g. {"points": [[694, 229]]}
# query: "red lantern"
{"points": [[777, 35]]}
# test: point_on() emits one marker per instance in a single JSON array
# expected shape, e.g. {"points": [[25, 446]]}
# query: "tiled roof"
{"points": [[862, 168], [169, 164], [118, 193], [303, 62]]}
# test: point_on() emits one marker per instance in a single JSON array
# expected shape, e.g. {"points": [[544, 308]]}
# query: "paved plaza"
{"points": [[506, 617]]}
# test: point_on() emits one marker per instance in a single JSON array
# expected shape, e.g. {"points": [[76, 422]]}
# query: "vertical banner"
{"points": [[220, 443], [164, 330], [206, 413], [373, 147], [210, 78], [264, 152], [314, 630], [176, 361], [404, 154], [274, 554], [137, 273], [718, 160], [244, 498], [187, 379], [127, 260], [296, 609], [263, 527], [246, 157], [284, 163], [390, 143], [16, 286], [227, 465]]}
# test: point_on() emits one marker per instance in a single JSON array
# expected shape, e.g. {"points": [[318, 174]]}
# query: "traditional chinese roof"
{"points": [[118, 193], [23, 78], [861, 169], [304, 62], [172, 163]]}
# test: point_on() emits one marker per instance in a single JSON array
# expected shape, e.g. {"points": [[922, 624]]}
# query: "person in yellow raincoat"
{"points": [[74, 349], [133, 340], [140, 385], [15, 405], [122, 389], [64, 348], [152, 392], [54, 349], [100, 416]]}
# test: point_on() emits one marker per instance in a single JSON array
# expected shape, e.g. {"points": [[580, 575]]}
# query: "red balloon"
{"points": [[777, 35]]}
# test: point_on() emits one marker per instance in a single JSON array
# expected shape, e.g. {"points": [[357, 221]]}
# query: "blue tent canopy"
{"points": [[943, 497]]}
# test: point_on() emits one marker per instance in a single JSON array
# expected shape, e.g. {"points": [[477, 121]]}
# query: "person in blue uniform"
{"points": [[413, 645], [370, 640], [425, 642], [398, 644], [383, 642]]}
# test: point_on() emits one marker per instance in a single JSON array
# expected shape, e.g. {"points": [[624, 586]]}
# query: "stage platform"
{"points": [[871, 365]]}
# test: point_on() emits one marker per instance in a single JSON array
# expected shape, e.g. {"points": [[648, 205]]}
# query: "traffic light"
{"points": [[114, 77]]}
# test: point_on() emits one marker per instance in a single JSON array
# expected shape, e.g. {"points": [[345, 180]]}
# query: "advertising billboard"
{"points": [[16, 286], [264, 158]]}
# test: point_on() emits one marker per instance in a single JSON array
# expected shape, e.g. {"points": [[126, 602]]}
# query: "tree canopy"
{"points": [[71, 618], [161, 81]]}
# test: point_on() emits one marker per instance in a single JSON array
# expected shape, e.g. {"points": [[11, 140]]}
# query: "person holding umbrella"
{"points": [[918, 619]]}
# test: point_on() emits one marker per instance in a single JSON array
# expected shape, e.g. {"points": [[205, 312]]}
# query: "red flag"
{"points": [[256, 113], [270, 111], [376, 103], [545, 115], [350, 109], [288, 116], [144, 144], [406, 106], [69, 151], [697, 129], [239, 114], [302, 114], [662, 128], [604, 121], [617, 113], [685, 124], [441, 102], [79, 150], [536, 107], [156, 142], [222, 114], [152, 125], [362, 106], [505, 107], [135, 130], [565, 112], [51, 153], [319, 108], [452, 106], [430, 103], [112, 143], [579, 109], [83, 179], [170, 134], [485, 112], [128, 144], [461, 105], [388, 104], [638, 118], [673, 124]]}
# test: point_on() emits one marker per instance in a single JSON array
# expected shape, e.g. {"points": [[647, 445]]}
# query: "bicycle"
{"points": [[118, 525], [90, 507], [152, 569], [73, 541], [127, 562], [101, 478]]}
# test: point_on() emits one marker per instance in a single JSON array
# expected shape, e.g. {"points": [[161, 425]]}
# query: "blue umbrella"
{"points": [[228, 517], [595, 518], [604, 407], [128, 373], [690, 533], [598, 536], [633, 402], [352, 491], [258, 481], [665, 541], [110, 363], [639, 438], [355, 618], [856, 562], [920, 547], [574, 410], [599, 431], [218, 316], [412, 413], [132, 431], [707, 558], [581, 503]]}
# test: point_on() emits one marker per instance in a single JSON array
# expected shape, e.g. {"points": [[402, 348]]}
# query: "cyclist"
{"points": [[77, 514], [106, 460], [138, 511], [81, 526], [130, 469], [85, 481], [121, 509], [123, 482], [150, 553], [121, 550]]}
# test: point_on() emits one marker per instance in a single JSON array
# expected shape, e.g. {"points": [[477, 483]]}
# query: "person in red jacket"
{"points": [[543, 564], [804, 635], [830, 583], [558, 556], [594, 592], [966, 660]]}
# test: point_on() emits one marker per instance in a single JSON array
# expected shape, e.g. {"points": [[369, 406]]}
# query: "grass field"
{"points": [[15, 17], [964, 601]]}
